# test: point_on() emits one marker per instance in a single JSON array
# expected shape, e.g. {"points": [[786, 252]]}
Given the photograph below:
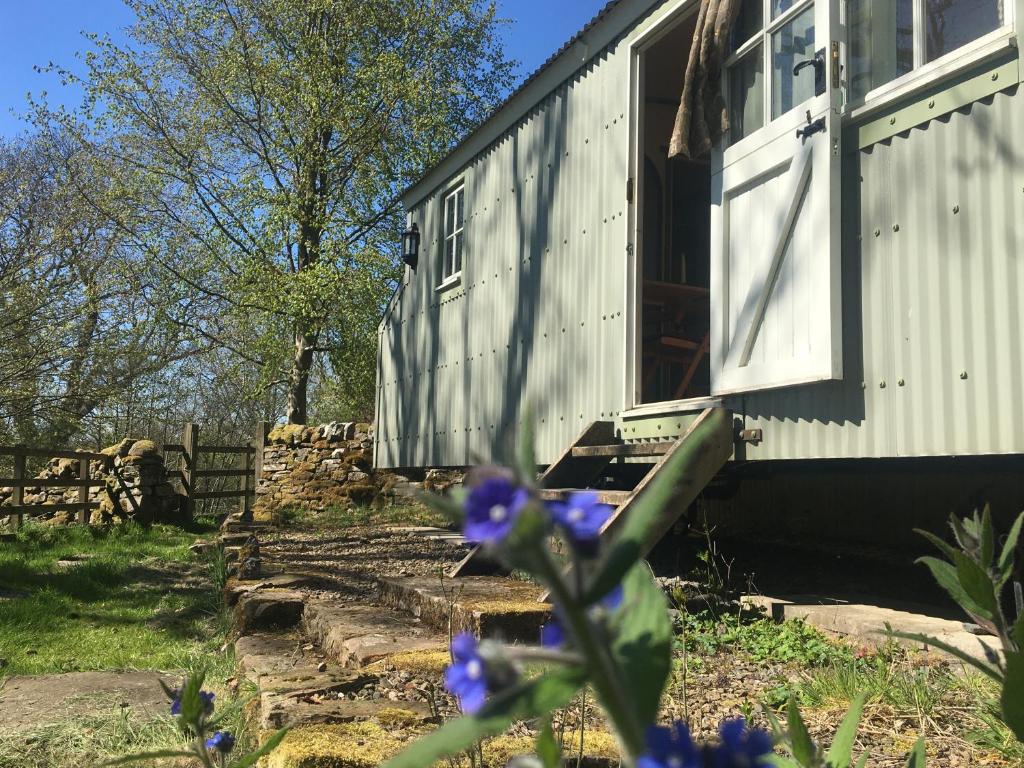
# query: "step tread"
{"points": [[614, 498], [624, 449], [488, 606]]}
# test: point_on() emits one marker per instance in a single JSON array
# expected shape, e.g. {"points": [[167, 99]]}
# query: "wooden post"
{"points": [[18, 498], [253, 467], [189, 459], [83, 489], [245, 464]]}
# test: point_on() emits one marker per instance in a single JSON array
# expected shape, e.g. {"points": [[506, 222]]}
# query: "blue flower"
{"points": [[465, 678], [552, 634], [205, 696], [741, 747], [222, 741], [670, 748], [492, 508], [581, 516]]}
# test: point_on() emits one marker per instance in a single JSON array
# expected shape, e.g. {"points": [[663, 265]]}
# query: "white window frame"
{"points": [[764, 38], [451, 197]]}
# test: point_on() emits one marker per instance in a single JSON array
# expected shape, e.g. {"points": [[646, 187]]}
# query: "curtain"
{"points": [[702, 117]]}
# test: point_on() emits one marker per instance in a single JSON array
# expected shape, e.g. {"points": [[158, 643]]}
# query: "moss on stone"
{"points": [[499, 751], [286, 433], [497, 607], [396, 717], [419, 662], [344, 745]]}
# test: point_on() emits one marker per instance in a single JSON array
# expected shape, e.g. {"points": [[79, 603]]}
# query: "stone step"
{"points": [[357, 635], [368, 744], [488, 606], [267, 609]]}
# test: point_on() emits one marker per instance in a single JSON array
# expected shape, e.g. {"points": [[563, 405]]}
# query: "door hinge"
{"points": [[629, 190]]}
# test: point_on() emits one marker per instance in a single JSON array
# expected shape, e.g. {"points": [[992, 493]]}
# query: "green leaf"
{"points": [[192, 707], [980, 665], [446, 505], [528, 700], [863, 760], [147, 756], [976, 582], [916, 758], [1009, 547], [948, 577], [526, 460], [799, 739], [642, 645], [781, 762], [268, 746], [1011, 701], [987, 538], [548, 750], [840, 754], [943, 546]]}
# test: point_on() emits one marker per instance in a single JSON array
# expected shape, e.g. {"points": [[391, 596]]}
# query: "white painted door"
{"points": [[775, 251]]}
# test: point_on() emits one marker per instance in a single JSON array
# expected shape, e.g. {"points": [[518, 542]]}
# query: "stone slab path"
{"points": [[37, 700]]}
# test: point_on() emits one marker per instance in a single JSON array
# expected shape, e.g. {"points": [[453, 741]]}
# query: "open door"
{"points": [[775, 250]]}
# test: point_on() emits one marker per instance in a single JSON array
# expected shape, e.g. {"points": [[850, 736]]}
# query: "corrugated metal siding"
{"points": [[539, 317], [933, 300]]}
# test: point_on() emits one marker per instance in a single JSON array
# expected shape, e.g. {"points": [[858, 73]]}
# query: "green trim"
{"points": [[939, 103], [655, 427]]}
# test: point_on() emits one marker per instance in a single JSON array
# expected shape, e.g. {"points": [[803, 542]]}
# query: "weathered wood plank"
{"points": [[220, 494], [221, 473], [614, 498], [51, 453], [624, 450], [225, 449], [34, 509], [50, 482]]}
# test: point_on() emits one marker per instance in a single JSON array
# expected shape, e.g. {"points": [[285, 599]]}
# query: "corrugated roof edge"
{"points": [[519, 89]]}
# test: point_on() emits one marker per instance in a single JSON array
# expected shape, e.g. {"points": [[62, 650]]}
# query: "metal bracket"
{"points": [[754, 436]]}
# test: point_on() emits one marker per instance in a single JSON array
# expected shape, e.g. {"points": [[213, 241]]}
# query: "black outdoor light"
{"points": [[411, 246]]}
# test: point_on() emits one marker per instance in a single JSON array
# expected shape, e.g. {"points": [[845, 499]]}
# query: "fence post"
{"points": [[189, 457], [83, 490], [18, 497], [245, 464], [252, 464]]}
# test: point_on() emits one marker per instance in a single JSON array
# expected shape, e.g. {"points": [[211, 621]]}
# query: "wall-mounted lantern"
{"points": [[411, 246]]}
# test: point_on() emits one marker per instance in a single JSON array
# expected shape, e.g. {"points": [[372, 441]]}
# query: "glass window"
{"points": [[951, 24], [882, 35], [746, 95], [749, 22], [881, 42], [780, 6], [792, 43], [454, 219]]}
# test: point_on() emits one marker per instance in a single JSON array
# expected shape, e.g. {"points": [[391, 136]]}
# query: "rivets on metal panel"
{"points": [[881, 384], [878, 233], [901, 383], [956, 209], [892, 120], [963, 374], [995, 75], [931, 104], [895, 227]]}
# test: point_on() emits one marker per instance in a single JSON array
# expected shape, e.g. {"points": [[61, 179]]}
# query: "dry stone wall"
{"points": [[331, 465]]}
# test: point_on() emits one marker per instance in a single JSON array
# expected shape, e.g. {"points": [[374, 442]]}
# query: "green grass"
{"points": [[361, 516], [128, 598], [707, 633]]}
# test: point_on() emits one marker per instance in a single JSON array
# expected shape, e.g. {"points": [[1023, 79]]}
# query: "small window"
{"points": [[889, 38], [454, 235], [763, 87]]}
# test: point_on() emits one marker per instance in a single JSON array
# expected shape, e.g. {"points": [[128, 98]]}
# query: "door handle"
{"points": [[818, 62]]}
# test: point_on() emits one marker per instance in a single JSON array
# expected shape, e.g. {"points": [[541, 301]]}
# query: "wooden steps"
{"points": [[705, 448]]}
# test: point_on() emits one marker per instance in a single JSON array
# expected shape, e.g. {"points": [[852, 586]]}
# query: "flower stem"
{"points": [[604, 674]]}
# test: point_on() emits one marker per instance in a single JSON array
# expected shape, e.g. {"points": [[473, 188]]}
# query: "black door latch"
{"points": [[818, 62], [812, 127]]}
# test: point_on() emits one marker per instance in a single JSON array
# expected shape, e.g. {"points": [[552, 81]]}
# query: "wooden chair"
{"points": [[681, 334]]}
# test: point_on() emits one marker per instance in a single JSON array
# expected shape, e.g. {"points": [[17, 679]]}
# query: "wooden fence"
{"points": [[195, 472], [199, 465], [17, 509]]}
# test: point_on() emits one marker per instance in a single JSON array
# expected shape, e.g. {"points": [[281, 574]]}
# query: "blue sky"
{"points": [[35, 32]]}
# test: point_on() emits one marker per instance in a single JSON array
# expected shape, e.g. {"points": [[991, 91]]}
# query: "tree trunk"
{"points": [[298, 381]]}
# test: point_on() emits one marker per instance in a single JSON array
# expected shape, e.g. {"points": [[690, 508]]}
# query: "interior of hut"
{"points": [[676, 236]]}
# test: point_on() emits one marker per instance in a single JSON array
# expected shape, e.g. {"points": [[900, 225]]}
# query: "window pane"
{"points": [[780, 6], [746, 95], [952, 23], [448, 253], [458, 252], [460, 212], [791, 44], [449, 216], [881, 42], [749, 21]]}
